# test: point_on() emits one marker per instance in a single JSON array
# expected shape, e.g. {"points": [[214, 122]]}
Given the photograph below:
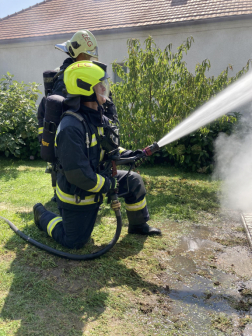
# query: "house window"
{"points": [[116, 77]]}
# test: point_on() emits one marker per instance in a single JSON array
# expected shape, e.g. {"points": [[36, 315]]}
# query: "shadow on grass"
{"points": [[10, 174], [9, 167], [169, 171]]}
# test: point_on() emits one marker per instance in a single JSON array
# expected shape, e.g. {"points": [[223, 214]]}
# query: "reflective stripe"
{"points": [[51, 225], [94, 141], [121, 150], [102, 154], [136, 206], [100, 130], [58, 130], [66, 198], [40, 130], [99, 184], [54, 188]]}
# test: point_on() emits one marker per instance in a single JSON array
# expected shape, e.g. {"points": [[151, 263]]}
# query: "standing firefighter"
{"points": [[83, 141], [82, 46]]}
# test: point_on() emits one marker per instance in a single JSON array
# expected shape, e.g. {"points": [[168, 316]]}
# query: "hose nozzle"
{"points": [[149, 150]]}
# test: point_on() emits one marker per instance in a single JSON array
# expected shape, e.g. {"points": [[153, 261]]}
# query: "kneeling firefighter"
{"points": [[84, 139]]}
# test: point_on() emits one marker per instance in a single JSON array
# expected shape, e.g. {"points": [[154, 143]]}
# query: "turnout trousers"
{"points": [[73, 228]]}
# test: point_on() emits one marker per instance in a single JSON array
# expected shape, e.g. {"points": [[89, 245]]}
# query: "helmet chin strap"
{"points": [[100, 108]]}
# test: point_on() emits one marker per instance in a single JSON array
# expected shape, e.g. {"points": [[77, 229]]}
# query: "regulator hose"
{"points": [[66, 254]]}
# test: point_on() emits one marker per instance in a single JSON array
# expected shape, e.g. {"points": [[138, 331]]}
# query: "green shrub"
{"points": [[158, 92], [18, 123]]}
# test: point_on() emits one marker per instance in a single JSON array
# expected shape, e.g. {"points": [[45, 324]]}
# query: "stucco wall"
{"points": [[222, 43]]}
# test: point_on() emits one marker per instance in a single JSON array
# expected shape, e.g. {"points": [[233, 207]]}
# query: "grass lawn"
{"points": [[121, 293]]}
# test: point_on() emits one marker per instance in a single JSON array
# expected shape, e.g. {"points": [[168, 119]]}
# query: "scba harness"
{"points": [[109, 141]]}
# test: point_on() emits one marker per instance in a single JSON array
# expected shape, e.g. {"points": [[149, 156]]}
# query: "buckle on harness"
{"points": [[77, 198], [50, 126]]}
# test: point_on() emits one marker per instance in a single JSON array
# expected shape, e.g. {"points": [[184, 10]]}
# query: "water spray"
{"points": [[235, 95]]}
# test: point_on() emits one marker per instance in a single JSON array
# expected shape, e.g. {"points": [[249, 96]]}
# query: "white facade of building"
{"points": [[223, 43]]}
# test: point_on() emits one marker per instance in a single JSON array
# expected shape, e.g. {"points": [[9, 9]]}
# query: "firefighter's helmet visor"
{"points": [[102, 89]]}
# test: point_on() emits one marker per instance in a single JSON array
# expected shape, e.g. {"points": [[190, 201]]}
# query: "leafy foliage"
{"points": [[158, 92], [18, 124]]}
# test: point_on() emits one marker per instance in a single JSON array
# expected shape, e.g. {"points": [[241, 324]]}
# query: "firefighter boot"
{"points": [[144, 229], [38, 211]]}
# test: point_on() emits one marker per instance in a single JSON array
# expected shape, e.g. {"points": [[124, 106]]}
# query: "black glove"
{"points": [[137, 152], [141, 157]]}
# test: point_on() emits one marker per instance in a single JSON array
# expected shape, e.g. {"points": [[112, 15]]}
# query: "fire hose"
{"points": [[114, 204]]}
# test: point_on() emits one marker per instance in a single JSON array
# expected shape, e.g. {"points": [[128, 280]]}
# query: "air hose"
{"points": [[71, 256]]}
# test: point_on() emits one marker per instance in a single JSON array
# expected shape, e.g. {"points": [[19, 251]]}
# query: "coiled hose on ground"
{"points": [[66, 254]]}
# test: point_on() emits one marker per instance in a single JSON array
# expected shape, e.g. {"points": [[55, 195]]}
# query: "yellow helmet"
{"points": [[82, 42], [81, 77]]}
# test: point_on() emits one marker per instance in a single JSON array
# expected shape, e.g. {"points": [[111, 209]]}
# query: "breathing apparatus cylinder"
{"points": [[53, 112], [48, 77]]}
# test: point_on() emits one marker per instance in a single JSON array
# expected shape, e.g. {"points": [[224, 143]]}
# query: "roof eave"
{"points": [[128, 29]]}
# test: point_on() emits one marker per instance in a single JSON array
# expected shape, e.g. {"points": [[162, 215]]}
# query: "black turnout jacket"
{"points": [[79, 175]]}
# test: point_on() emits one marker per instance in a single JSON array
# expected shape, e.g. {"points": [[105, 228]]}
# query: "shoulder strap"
{"points": [[73, 114], [58, 74], [84, 123]]}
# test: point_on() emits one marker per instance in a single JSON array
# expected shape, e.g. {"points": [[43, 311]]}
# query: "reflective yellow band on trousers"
{"points": [[99, 184], [66, 198], [40, 130], [51, 225], [136, 206]]}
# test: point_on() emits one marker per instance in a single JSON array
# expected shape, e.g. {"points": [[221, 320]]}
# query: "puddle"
{"points": [[183, 265], [194, 244], [196, 299], [197, 240]]}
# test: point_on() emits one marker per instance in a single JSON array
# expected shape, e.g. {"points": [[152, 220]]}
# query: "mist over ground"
{"points": [[233, 165]]}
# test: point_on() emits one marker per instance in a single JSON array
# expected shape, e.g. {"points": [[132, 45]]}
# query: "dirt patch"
{"points": [[208, 273], [236, 259]]}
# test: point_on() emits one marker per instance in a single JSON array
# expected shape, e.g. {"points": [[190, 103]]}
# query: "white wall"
{"points": [[27, 61], [222, 43]]}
